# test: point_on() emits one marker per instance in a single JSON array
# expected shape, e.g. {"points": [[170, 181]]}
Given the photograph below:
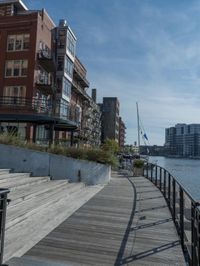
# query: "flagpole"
{"points": [[138, 127]]}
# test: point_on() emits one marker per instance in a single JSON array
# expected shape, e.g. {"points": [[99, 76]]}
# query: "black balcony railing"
{"points": [[184, 209], [54, 109], [3, 207], [34, 104]]}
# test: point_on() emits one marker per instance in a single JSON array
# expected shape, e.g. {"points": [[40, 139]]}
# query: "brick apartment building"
{"points": [[42, 82]]}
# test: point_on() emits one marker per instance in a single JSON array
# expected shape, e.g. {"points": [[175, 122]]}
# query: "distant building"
{"points": [[110, 118], [122, 133], [183, 140]]}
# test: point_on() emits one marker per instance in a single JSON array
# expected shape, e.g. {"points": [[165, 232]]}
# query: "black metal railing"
{"points": [[184, 209], [41, 106], [3, 207]]}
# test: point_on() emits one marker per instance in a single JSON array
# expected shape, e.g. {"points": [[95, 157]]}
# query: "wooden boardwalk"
{"points": [[126, 223]]}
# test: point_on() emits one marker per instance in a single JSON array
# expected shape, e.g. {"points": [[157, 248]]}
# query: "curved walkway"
{"points": [[126, 223]]}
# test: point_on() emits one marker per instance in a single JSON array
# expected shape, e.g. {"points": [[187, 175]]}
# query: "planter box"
{"points": [[58, 167], [137, 171]]}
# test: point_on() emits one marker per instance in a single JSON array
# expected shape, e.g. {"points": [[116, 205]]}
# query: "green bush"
{"points": [[138, 163], [111, 146]]}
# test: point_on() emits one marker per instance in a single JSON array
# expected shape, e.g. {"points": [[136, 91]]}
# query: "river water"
{"points": [[186, 171]]}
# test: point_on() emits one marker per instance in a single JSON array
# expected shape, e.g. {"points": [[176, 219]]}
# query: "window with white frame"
{"points": [[14, 94], [18, 42], [70, 43], [68, 66], [16, 68], [66, 88]]}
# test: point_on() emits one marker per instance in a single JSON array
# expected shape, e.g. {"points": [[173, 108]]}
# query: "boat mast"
{"points": [[138, 127]]}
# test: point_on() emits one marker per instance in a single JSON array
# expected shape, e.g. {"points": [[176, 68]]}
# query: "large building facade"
{"points": [[183, 140], [42, 82], [110, 118]]}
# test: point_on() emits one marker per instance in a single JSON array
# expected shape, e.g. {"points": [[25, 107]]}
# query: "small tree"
{"points": [[111, 146]]}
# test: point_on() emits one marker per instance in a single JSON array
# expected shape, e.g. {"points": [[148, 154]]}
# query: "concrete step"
{"points": [[21, 237], [30, 261], [4, 171], [22, 182], [4, 177], [20, 212], [22, 194]]}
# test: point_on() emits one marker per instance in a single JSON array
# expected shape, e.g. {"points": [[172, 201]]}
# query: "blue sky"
{"points": [[139, 50]]}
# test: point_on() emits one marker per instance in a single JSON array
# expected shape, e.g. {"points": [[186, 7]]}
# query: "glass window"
{"points": [[64, 109], [16, 68], [14, 95], [11, 42], [68, 66], [9, 68], [60, 63], [66, 88], [18, 42], [70, 43], [61, 38], [24, 67]]}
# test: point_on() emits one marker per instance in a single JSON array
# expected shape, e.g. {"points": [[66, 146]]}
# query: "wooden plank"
{"points": [[127, 222]]}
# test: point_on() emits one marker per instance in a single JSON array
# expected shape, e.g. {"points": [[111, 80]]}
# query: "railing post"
{"points": [[198, 239], [3, 206], [174, 200], [169, 190], [181, 217], [164, 183], [160, 179], [147, 170], [151, 172], [156, 176], [194, 225]]}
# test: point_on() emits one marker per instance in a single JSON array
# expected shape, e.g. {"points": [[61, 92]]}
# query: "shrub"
{"points": [[104, 156], [138, 163], [111, 146]]}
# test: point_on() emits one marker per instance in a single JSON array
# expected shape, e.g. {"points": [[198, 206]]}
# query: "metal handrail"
{"points": [[3, 207], [177, 197]]}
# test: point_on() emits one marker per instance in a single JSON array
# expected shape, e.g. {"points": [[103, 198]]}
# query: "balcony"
{"points": [[80, 73], [36, 110], [45, 59], [44, 84]]}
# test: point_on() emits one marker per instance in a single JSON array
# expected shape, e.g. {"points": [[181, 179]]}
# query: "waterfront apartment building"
{"points": [[110, 118], [42, 82], [183, 140], [122, 133]]}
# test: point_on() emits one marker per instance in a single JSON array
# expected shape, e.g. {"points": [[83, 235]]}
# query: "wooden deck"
{"points": [[126, 223]]}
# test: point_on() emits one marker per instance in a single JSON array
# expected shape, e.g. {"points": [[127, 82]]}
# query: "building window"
{"points": [[14, 95], [70, 43], [66, 88], [61, 39], [64, 109], [60, 63], [68, 66], [78, 114], [19, 42], [16, 68]]}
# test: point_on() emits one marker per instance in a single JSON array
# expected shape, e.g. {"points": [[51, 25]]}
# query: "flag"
{"points": [[145, 136]]}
